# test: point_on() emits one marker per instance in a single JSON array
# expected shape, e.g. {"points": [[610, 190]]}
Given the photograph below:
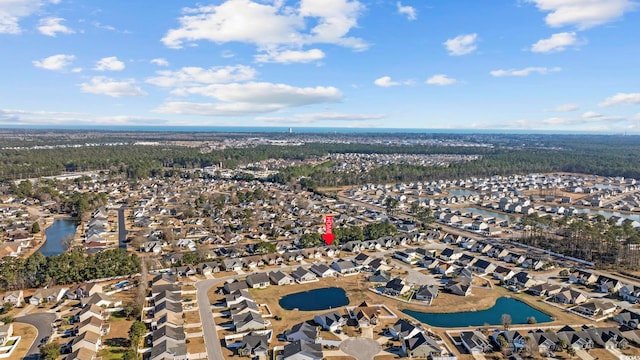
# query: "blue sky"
{"points": [[569, 65]]}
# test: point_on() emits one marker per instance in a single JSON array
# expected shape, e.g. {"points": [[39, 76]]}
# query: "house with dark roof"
{"points": [[522, 279], [280, 278], [482, 267], [426, 293], [248, 321], [302, 275], [396, 287], [322, 270], [403, 329], [302, 350], [421, 346], [302, 331], [462, 288], [258, 280], [543, 341], [254, 345], [475, 342], [345, 267], [330, 321], [628, 318]]}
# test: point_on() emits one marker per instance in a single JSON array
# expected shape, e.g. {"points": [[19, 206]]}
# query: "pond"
{"points": [[317, 299], [519, 312], [608, 214], [55, 234]]}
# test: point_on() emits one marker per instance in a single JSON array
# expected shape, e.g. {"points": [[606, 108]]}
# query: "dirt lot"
{"points": [[196, 346]]}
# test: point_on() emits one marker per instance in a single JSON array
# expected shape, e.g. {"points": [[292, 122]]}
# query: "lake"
{"points": [[607, 214], [461, 192], [519, 311], [55, 233], [317, 299]]}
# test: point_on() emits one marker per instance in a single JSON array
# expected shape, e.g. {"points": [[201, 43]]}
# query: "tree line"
{"points": [[71, 267]]}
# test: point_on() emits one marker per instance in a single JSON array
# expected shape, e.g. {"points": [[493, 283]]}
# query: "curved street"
{"points": [[42, 322]]}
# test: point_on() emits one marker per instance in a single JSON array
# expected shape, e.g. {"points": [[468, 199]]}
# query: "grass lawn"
{"points": [[112, 353], [28, 334], [602, 354]]}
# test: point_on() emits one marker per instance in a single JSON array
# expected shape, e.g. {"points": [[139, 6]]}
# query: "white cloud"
{"points": [[270, 25], [191, 76], [583, 14], [290, 56], [556, 43], [319, 117], [12, 11], [55, 62], [386, 81], [41, 117], [566, 108], [249, 98], [160, 62], [106, 86], [524, 72], [109, 64], [441, 79], [461, 44], [621, 98], [51, 26], [408, 11]]}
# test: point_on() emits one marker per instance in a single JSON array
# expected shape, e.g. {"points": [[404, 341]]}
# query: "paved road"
{"points": [[361, 348], [42, 322], [122, 229], [211, 341]]}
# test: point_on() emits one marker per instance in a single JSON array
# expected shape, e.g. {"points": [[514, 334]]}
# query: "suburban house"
{"points": [[569, 296], [522, 279], [582, 277], [475, 342], [330, 321], [248, 321], [47, 296], [596, 308], [254, 345], [322, 270], [280, 278], [421, 346], [544, 289], [403, 329], [628, 318], [462, 288], [396, 287], [14, 297], [258, 280], [345, 267], [302, 275], [302, 350], [630, 293], [302, 331], [426, 293]]}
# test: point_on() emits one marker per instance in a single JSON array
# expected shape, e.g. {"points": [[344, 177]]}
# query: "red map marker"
{"points": [[328, 230]]}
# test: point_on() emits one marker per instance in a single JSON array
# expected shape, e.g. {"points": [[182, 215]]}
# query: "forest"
{"points": [[70, 267], [508, 154]]}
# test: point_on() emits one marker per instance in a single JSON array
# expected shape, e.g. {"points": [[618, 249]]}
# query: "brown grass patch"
{"points": [[602, 354], [196, 345], [192, 317], [28, 334]]}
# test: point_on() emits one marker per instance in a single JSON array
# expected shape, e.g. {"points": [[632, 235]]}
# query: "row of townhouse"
{"points": [[544, 341], [90, 325], [164, 317]]}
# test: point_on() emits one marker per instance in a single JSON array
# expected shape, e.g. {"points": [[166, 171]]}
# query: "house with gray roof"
{"points": [[258, 280], [302, 331], [280, 278], [302, 350], [330, 321]]}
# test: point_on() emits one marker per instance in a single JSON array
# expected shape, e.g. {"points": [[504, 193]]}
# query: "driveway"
{"points": [[42, 322]]}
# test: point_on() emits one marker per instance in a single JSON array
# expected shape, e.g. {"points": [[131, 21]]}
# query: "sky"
{"points": [[553, 65]]}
